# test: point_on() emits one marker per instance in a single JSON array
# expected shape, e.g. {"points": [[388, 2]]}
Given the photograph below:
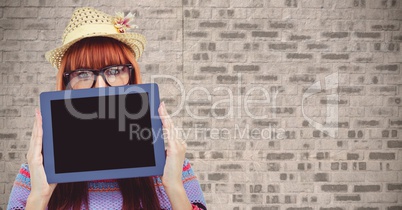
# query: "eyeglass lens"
{"points": [[115, 76]]}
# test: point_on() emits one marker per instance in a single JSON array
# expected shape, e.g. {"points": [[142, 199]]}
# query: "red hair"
{"points": [[95, 53]]}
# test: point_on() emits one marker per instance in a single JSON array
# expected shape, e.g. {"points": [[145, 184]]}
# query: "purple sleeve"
{"points": [[191, 185], [21, 189]]}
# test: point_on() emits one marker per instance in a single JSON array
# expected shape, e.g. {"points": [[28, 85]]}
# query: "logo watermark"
{"points": [[238, 101]]}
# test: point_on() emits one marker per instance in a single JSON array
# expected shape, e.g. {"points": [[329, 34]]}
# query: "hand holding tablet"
{"points": [[102, 133]]}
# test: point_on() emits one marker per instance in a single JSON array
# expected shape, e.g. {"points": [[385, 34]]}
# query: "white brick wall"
{"points": [[290, 44]]}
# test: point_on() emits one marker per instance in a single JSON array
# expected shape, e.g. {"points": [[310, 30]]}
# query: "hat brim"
{"points": [[135, 41]]}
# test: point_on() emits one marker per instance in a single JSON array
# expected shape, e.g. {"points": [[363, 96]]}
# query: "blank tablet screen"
{"points": [[108, 141]]}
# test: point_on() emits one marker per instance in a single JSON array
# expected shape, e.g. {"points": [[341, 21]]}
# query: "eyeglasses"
{"points": [[114, 75]]}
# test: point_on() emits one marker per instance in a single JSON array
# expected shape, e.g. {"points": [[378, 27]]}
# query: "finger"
{"points": [[168, 127], [173, 135], [39, 134], [168, 118], [33, 136], [164, 116]]}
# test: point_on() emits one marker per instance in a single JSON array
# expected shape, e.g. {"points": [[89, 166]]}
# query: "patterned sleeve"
{"points": [[191, 185], [21, 189]]}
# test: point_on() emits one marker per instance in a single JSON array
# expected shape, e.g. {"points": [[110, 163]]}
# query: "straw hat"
{"points": [[89, 22]]}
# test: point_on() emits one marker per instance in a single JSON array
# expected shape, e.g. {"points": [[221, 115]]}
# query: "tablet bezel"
{"points": [[48, 150]]}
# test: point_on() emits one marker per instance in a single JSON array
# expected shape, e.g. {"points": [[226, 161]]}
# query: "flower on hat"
{"points": [[122, 23]]}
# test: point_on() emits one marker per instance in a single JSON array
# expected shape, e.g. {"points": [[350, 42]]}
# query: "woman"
{"points": [[96, 41]]}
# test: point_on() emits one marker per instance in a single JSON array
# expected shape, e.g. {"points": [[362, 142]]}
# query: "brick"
{"points": [[386, 26], [9, 112], [351, 90], [12, 24], [161, 13], [294, 37], [247, 4], [192, 13], [381, 156], [247, 26], [246, 68], [213, 69], [265, 207], [366, 208], [334, 188], [321, 177], [280, 156], [208, 46], [380, 198], [385, 47], [21, 35], [299, 56], [230, 167], [368, 35], [366, 188], [394, 144], [232, 35], [299, 208], [298, 188], [290, 3], [317, 46], [394, 187], [210, 3], [347, 198], [383, 90], [383, 4], [9, 45], [217, 177], [236, 13], [210, 24], [394, 101], [265, 57], [387, 68], [223, 79], [333, 56], [196, 34], [245, 46], [395, 122], [395, 15], [397, 38], [368, 14], [231, 57], [290, 13], [44, 24], [368, 123], [21, 12], [8, 136], [316, 4], [352, 156], [264, 34], [281, 25], [264, 13], [267, 78], [347, 177], [273, 166], [200, 56], [335, 35], [380, 111], [282, 46], [20, 56]]}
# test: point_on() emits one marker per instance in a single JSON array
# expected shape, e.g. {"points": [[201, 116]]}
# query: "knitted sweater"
{"points": [[105, 194]]}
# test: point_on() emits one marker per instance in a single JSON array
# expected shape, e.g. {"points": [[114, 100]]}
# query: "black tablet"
{"points": [[102, 133]]}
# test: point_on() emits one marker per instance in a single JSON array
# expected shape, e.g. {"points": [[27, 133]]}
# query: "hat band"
{"points": [[82, 31]]}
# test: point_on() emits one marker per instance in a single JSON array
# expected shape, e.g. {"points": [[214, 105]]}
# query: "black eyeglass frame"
{"points": [[101, 72]]}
